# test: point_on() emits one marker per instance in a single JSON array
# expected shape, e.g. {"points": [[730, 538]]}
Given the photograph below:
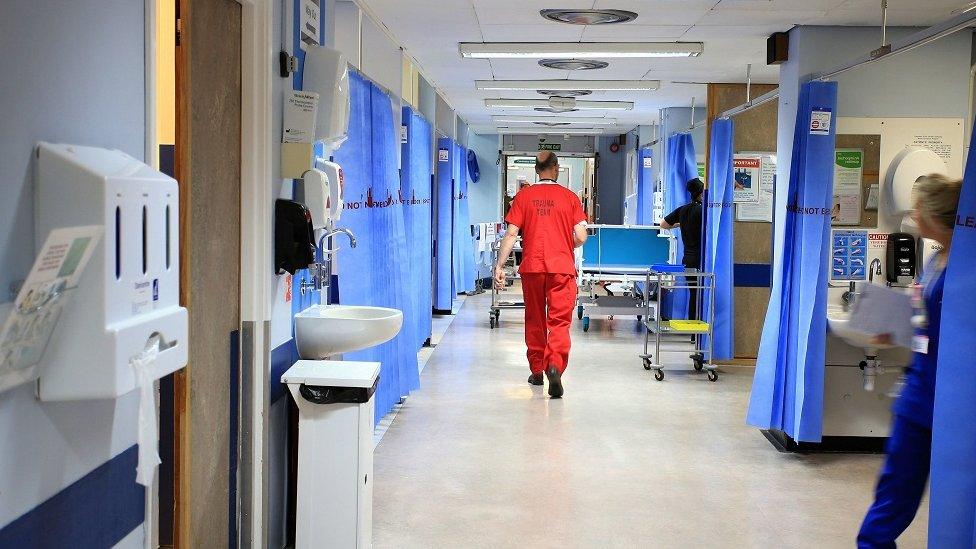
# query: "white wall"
{"points": [[72, 72], [931, 81]]}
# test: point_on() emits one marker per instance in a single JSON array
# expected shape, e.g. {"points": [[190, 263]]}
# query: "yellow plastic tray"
{"points": [[695, 326]]}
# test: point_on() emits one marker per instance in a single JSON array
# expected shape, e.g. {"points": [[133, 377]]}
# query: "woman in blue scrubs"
{"points": [[906, 468]]}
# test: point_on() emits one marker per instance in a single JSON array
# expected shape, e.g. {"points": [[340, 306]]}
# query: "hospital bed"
{"points": [[617, 258]]}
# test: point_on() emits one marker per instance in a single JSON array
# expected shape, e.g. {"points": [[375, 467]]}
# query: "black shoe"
{"points": [[535, 379], [555, 382]]}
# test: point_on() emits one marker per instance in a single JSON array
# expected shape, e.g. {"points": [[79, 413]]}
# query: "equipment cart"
{"points": [[669, 277], [511, 275]]}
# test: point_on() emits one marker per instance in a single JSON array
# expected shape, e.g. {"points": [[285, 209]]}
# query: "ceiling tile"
{"points": [[637, 33], [541, 32]]}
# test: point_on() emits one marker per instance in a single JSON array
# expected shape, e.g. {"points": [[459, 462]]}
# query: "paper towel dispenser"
{"points": [[128, 297], [294, 237]]}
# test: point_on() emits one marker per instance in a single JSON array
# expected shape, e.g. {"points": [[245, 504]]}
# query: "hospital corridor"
{"points": [[480, 458], [527, 274]]}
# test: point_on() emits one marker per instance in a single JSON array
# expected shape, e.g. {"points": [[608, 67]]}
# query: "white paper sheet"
{"points": [[882, 310]]}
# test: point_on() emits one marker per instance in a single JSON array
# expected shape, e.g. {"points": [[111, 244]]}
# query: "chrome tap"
{"points": [[874, 269], [849, 296], [322, 279]]}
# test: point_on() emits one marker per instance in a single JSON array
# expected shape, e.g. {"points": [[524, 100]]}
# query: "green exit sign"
{"points": [[550, 146]]}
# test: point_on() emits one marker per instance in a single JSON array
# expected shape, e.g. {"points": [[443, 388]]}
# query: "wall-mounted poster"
{"points": [[747, 176], [761, 210], [848, 172]]}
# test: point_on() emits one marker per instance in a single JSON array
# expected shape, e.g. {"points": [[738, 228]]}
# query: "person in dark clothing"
{"points": [[688, 219]]}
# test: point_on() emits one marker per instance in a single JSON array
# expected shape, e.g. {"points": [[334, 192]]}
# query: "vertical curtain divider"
{"points": [[787, 391], [718, 238]]}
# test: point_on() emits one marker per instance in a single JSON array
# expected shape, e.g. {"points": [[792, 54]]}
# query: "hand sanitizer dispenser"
{"points": [[127, 300]]}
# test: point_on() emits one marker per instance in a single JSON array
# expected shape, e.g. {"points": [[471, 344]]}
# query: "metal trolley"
{"points": [[701, 330], [511, 275]]}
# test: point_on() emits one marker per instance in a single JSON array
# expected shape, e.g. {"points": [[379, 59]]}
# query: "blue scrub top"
{"points": [[917, 397]]}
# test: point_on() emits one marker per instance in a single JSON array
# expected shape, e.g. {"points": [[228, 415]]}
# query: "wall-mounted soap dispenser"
{"points": [[902, 259], [127, 300], [294, 237]]}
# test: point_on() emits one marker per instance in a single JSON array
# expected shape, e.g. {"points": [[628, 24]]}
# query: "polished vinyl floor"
{"points": [[478, 458]]}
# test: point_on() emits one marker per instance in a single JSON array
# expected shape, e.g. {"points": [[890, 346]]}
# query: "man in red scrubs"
{"points": [[553, 224]]}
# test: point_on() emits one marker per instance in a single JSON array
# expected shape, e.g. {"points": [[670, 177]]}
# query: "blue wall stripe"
{"points": [[282, 358], [97, 511], [235, 372], [752, 275]]}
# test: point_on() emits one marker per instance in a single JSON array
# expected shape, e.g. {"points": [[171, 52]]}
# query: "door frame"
{"points": [[257, 58]]}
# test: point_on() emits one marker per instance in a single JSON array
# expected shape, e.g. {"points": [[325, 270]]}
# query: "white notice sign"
{"points": [[300, 114], [746, 184], [848, 171], [762, 209], [443, 155], [820, 121], [648, 162]]}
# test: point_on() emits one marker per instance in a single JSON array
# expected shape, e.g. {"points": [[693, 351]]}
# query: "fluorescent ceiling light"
{"points": [[554, 120], [551, 131], [543, 103], [595, 85], [578, 50]]}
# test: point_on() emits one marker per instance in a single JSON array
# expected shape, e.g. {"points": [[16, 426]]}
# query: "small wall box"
{"points": [[130, 291]]}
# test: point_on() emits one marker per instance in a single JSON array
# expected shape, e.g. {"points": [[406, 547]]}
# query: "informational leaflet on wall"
{"points": [[849, 255], [848, 173], [38, 306], [648, 162], [299, 118], [701, 171], [746, 183], [761, 210]]}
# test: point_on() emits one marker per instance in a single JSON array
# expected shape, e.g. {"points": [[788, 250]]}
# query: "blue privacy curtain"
{"points": [[680, 167], [417, 154], [377, 271], [465, 239], [787, 390], [444, 219], [645, 187], [717, 237], [952, 500]]}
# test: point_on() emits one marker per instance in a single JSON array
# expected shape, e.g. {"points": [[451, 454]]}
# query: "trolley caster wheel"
{"points": [[712, 376], [647, 364], [659, 375], [699, 360], [586, 324], [579, 312]]}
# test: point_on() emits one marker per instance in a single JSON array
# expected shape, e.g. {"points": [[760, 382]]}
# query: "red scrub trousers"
{"points": [[549, 303]]}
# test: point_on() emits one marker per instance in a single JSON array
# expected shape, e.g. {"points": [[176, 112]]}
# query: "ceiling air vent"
{"points": [[565, 93], [574, 64], [589, 17], [552, 124]]}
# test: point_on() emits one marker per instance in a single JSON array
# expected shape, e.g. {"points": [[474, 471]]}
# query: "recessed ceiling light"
{"points": [[551, 124], [578, 50], [565, 93], [554, 110], [574, 64], [592, 85], [529, 119], [589, 17], [555, 103]]}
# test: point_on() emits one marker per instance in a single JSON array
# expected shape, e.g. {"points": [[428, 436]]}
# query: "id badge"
{"points": [[920, 344]]}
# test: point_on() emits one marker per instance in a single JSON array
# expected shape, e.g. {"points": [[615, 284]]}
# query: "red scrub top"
{"points": [[546, 213]]}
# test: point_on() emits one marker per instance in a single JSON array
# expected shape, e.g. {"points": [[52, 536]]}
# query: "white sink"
{"points": [[839, 322], [322, 331]]}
